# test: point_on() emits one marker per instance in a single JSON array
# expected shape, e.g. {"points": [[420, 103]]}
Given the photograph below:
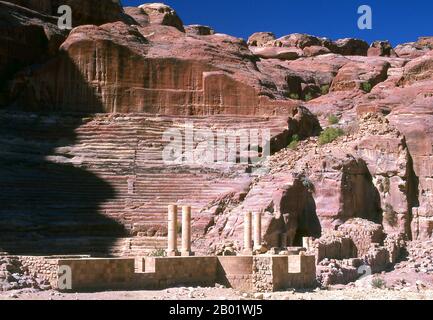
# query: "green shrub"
{"points": [[158, 253], [308, 96], [366, 87], [296, 138], [378, 283], [293, 145], [333, 119], [294, 96], [329, 135], [324, 89], [294, 142]]}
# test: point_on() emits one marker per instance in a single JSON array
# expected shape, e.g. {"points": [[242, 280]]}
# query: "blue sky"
{"points": [[395, 20]]}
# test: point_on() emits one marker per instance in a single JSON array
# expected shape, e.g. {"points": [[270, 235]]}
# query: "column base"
{"points": [[187, 254], [172, 253], [247, 252]]}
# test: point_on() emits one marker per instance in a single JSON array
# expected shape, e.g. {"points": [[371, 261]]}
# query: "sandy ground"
{"points": [[333, 293]]}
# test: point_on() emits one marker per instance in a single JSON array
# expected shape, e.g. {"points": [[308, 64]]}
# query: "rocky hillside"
{"points": [[83, 113]]}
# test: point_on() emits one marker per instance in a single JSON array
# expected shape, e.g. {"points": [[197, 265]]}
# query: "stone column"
{"points": [[257, 230], [186, 231], [306, 242], [248, 241], [172, 231]]}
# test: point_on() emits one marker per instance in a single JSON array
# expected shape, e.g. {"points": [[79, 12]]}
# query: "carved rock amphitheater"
{"points": [[83, 115]]}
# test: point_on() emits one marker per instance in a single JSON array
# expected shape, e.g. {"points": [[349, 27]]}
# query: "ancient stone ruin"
{"points": [[88, 117]]}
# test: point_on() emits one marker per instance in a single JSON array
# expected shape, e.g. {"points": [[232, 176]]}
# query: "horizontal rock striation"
{"points": [[84, 112], [79, 183]]}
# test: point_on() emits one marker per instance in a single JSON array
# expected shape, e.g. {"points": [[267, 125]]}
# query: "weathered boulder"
{"points": [[139, 15], [199, 30], [162, 14], [410, 50], [417, 70], [351, 47], [298, 40], [261, 39], [303, 78], [360, 76], [313, 51], [425, 42], [276, 53], [381, 49]]}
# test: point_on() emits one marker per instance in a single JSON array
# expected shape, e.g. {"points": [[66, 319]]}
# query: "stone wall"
{"points": [[363, 233], [44, 267], [235, 272], [263, 279], [301, 272], [334, 246], [94, 274], [264, 273], [272, 273], [174, 271]]}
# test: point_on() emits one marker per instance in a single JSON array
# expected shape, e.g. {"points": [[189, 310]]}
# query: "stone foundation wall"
{"points": [[334, 247], [173, 271], [44, 267], [272, 273], [363, 233], [94, 274], [264, 273], [235, 272], [301, 272]]}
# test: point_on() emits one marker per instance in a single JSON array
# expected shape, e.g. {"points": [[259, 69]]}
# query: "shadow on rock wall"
{"points": [[48, 205]]}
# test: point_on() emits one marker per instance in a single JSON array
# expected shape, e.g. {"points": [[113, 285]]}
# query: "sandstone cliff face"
{"points": [[147, 72], [83, 12], [21, 29], [154, 69]]}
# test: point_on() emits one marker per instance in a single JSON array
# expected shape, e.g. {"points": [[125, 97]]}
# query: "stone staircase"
{"points": [[98, 185]]}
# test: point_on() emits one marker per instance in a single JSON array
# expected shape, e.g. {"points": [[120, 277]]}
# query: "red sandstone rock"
{"points": [[156, 69], [410, 50], [381, 171], [83, 11], [381, 49], [277, 53], [140, 16], [425, 42], [298, 40], [21, 29], [261, 39], [313, 51], [360, 76], [162, 14], [199, 30], [351, 47], [418, 69]]}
